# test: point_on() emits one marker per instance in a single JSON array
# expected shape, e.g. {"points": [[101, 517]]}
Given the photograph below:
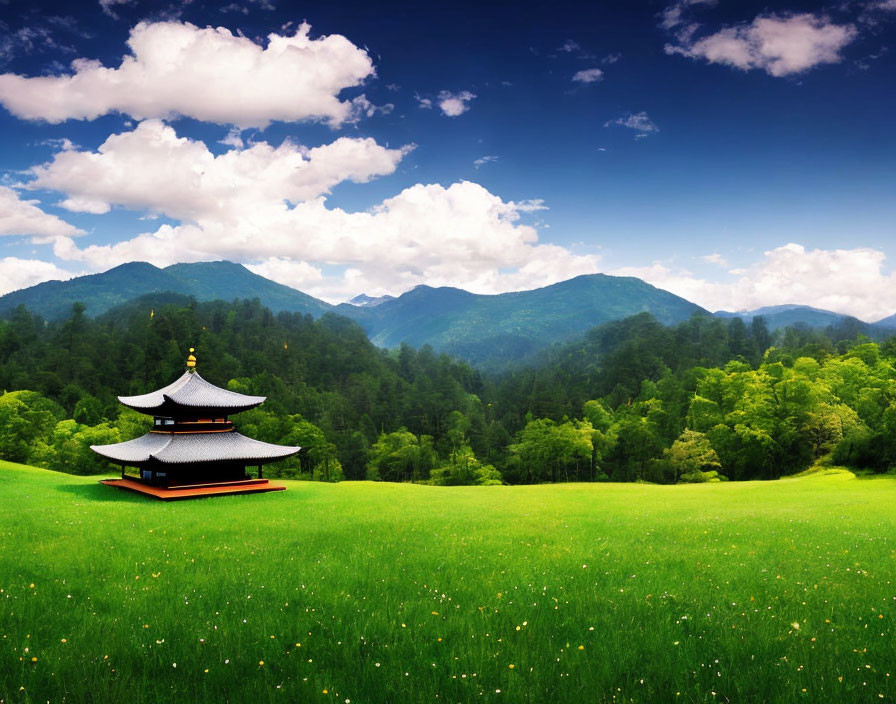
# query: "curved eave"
{"points": [[190, 393], [190, 448], [171, 408]]}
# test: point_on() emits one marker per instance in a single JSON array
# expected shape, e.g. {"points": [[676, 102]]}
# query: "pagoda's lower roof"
{"points": [[186, 448], [190, 392]]}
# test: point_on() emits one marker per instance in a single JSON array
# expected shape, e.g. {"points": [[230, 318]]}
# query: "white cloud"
{"points": [[588, 75], [780, 45], [673, 16], [847, 281], [483, 160], [151, 168], [454, 104], [639, 121], [109, 5], [30, 39], [266, 205], [424, 103], [246, 8], [570, 46], [18, 273], [611, 58], [58, 143], [532, 205], [24, 217], [714, 258], [179, 69], [233, 139], [289, 272], [362, 106], [458, 236]]}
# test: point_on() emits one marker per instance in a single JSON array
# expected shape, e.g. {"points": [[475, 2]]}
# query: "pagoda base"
{"points": [[195, 491]]}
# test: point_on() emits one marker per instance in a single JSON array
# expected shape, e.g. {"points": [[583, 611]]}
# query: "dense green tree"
{"points": [[463, 469], [691, 458], [401, 456], [767, 402], [549, 451]]}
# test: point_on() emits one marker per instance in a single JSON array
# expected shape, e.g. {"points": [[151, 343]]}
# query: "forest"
{"points": [[634, 400]]}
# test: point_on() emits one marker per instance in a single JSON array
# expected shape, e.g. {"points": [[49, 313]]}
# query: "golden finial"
{"points": [[191, 360]]}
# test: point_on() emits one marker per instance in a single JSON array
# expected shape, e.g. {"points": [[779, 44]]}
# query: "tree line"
{"points": [[705, 400]]}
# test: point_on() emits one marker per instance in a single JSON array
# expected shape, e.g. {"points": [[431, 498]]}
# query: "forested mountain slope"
{"points": [[205, 281], [633, 399], [511, 326]]}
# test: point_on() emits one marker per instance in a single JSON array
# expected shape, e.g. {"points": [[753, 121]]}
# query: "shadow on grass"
{"points": [[101, 492]]}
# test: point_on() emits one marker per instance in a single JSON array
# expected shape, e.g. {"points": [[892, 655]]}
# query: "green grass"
{"points": [[401, 593]]}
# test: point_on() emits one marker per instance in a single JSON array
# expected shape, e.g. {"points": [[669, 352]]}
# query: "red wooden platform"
{"points": [[196, 491]]}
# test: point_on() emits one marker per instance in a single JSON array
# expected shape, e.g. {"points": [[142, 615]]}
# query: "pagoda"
{"points": [[193, 448]]}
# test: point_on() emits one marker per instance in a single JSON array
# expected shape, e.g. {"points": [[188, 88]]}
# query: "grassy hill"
{"points": [[743, 592]]}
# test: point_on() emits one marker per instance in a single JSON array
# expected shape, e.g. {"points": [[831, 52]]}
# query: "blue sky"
{"points": [[738, 154]]}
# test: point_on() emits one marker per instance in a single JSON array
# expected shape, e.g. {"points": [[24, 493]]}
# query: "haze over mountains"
{"points": [[508, 326], [479, 328], [777, 317]]}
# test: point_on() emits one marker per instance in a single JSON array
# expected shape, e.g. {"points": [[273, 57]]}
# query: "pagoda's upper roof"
{"points": [[174, 448], [191, 393]]}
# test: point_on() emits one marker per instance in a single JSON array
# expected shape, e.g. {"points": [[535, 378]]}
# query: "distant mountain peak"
{"points": [[771, 310], [362, 300], [509, 326]]}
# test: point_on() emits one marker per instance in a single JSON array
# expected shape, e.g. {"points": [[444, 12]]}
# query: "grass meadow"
{"points": [[780, 591]]}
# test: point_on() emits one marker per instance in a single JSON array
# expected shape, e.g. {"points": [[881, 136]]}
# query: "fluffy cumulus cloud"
{"points": [[289, 272], [178, 69], [24, 217], [588, 75], [151, 168], [454, 104], [266, 205], [848, 281], [18, 273], [780, 45]]}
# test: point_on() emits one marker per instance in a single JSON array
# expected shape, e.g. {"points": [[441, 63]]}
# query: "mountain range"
{"points": [[483, 329], [777, 317], [509, 326], [204, 281]]}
